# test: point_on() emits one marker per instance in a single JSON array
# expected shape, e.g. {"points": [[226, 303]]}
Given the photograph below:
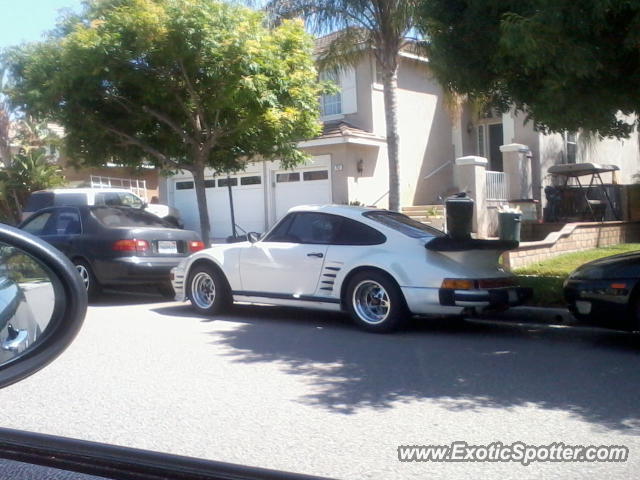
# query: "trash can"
{"points": [[509, 225], [459, 209]]}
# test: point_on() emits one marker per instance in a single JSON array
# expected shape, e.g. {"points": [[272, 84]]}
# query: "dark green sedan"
{"points": [[605, 292]]}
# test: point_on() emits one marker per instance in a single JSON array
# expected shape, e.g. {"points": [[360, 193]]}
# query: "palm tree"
{"points": [[359, 27], [27, 173]]}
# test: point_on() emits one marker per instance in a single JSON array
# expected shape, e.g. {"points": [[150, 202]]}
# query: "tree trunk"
{"points": [[201, 198], [390, 84]]}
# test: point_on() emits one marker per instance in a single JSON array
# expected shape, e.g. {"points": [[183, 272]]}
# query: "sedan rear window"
{"points": [[125, 217], [404, 224]]}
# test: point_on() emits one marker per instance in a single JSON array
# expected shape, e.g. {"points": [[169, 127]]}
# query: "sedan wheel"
{"points": [[84, 275], [208, 290], [376, 302], [88, 278]]}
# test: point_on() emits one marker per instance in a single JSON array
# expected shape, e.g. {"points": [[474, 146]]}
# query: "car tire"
{"points": [[634, 311], [94, 289], [375, 302], [208, 290], [166, 291]]}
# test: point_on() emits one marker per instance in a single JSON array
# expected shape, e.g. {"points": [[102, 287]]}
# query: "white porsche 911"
{"points": [[380, 266]]}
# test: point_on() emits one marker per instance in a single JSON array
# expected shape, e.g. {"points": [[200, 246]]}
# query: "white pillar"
{"points": [[470, 177], [516, 162]]}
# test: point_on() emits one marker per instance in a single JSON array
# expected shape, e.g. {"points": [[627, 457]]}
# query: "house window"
{"points": [[209, 183], [288, 177], [379, 77], [225, 182], [571, 146], [315, 175], [184, 185], [253, 180], [331, 104]]}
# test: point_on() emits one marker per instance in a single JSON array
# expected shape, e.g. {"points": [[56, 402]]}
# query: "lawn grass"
{"points": [[546, 277]]}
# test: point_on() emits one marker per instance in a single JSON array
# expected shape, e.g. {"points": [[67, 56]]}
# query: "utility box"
{"points": [[459, 209]]}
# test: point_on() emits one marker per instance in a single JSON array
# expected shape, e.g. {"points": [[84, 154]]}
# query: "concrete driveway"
{"points": [[307, 392]]}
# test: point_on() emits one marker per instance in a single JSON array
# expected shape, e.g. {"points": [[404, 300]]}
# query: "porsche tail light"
{"points": [[195, 246], [459, 283], [130, 245]]}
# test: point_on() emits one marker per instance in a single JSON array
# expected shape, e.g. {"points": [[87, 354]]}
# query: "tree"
{"points": [[569, 65], [5, 122], [28, 172], [360, 27], [185, 84]]}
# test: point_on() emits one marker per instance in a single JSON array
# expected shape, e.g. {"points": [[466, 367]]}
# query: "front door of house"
{"points": [[496, 139]]}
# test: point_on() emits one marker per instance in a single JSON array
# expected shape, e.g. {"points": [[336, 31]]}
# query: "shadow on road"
{"points": [[590, 373], [112, 298]]}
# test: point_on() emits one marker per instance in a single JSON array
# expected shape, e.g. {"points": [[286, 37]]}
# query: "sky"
{"points": [[27, 20]]}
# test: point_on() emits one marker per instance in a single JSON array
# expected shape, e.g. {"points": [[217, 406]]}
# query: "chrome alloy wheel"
{"points": [[203, 290], [371, 302], [84, 275]]}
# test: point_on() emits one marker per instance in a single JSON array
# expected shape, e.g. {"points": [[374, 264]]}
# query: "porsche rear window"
{"points": [[127, 217], [404, 224]]}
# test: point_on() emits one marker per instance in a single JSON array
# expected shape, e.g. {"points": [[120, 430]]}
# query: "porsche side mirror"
{"points": [[253, 237], [43, 303]]}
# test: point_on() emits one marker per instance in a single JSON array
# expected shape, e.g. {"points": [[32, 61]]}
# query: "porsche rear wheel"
{"points": [[375, 302]]}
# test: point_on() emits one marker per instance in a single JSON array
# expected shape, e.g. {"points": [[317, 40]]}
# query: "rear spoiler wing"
{"points": [[448, 244]]}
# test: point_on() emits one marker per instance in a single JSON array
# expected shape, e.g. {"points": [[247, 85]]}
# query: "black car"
{"points": [[605, 292], [115, 246]]}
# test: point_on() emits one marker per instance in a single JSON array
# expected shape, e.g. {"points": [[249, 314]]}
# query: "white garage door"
{"points": [[301, 187], [248, 202]]}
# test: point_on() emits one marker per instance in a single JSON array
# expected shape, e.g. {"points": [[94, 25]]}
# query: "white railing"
{"points": [[139, 187], [497, 186]]}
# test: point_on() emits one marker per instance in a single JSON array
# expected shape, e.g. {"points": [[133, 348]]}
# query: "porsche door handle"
{"points": [[315, 254]]}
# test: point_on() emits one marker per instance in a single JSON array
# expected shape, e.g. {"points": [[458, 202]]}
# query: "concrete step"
{"points": [[423, 210], [413, 208]]}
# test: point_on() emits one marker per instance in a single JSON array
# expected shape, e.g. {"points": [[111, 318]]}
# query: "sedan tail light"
{"points": [[131, 245], [195, 246]]}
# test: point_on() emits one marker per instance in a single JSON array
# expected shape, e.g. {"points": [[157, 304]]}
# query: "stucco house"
{"points": [[349, 160]]}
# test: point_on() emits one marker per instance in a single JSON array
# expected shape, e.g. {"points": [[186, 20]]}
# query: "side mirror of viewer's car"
{"points": [[43, 303]]}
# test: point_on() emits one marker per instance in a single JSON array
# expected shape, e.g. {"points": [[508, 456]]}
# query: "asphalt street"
{"points": [[308, 392]]}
